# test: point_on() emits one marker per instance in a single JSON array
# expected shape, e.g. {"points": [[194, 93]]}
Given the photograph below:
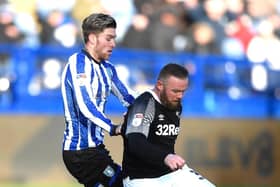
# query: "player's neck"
{"points": [[90, 50]]}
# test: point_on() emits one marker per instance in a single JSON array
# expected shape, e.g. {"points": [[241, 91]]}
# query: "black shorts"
{"points": [[93, 166]]}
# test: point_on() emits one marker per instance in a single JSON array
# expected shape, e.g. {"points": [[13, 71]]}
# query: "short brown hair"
{"points": [[175, 70], [96, 23]]}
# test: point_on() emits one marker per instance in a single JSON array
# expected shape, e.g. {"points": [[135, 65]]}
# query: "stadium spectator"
{"points": [[204, 39], [138, 34], [215, 11], [123, 13], [242, 31], [194, 10], [167, 23], [59, 29], [26, 21], [9, 32], [158, 26]]}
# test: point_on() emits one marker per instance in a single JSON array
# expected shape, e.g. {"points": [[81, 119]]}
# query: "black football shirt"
{"points": [[150, 131]]}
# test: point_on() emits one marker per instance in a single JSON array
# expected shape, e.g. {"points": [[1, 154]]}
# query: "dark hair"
{"points": [[96, 23], [175, 70]]}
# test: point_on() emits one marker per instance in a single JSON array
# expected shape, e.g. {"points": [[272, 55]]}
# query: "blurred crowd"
{"points": [[241, 29], [228, 27], [233, 28]]}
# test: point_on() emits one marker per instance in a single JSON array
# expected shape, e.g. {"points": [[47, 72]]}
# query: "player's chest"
{"points": [[165, 125], [101, 82]]}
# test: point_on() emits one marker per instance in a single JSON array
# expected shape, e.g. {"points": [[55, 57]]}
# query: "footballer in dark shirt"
{"points": [[150, 130]]}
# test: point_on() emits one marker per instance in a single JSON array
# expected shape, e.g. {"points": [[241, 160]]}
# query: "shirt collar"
{"points": [[154, 95], [89, 56]]}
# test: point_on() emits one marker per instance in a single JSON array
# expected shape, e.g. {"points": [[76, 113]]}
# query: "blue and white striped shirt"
{"points": [[85, 88]]}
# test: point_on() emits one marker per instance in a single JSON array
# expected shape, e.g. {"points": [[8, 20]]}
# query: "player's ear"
{"points": [[92, 39], [159, 85]]}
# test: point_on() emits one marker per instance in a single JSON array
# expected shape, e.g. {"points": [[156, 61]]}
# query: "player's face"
{"points": [[172, 92], [105, 42]]}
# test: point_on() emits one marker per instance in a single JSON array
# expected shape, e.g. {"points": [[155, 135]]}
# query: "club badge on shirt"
{"points": [[81, 79], [137, 120]]}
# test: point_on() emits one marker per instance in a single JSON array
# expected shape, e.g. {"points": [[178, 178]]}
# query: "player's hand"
{"points": [[174, 161], [116, 130]]}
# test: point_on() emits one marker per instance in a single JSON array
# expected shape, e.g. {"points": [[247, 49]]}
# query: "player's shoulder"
{"points": [[145, 94], [145, 97], [78, 57], [109, 66], [73, 57]]}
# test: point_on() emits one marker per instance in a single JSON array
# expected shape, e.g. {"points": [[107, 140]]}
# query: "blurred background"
{"points": [[231, 116]]}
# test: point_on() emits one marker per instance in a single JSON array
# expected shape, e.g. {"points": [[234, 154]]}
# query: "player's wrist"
{"points": [[113, 130]]}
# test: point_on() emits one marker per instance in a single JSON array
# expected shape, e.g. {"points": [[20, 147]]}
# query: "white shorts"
{"points": [[181, 178]]}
